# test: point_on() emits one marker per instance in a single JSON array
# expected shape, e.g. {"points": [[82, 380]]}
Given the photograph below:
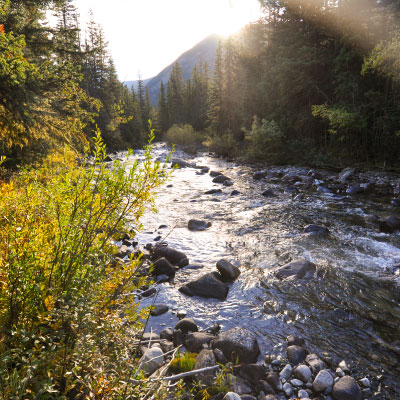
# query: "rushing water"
{"points": [[352, 309]]}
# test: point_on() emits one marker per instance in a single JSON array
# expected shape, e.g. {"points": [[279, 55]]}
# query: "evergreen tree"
{"points": [[163, 118]]}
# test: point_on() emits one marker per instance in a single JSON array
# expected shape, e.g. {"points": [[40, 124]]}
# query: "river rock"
{"points": [[186, 325], [355, 189], [237, 343], [231, 396], [396, 190], [163, 267], [288, 390], [208, 286], [303, 373], [323, 189], [323, 381], [206, 359], [296, 354], [149, 292], [228, 183], [213, 174], [346, 388], [167, 334], [153, 359], [395, 202], [286, 372], [194, 341], [197, 225], [299, 269], [220, 179], [259, 175], [389, 224], [346, 174], [275, 382], [268, 193], [253, 372], [159, 309], [316, 230], [295, 341], [228, 271], [235, 192], [175, 257], [213, 191], [150, 336], [302, 394], [178, 162], [315, 363]]}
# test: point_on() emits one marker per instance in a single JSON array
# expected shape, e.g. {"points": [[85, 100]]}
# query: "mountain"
{"points": [[135, 84], [203, 51]]}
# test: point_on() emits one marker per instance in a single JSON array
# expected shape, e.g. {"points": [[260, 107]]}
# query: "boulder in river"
{"points": [[153, 359], [346, 388], [213, 191], [213, 174], [389, 224], [228, 271], [175, 257], [346, 174], [323, 381], [208, 286], [316, 230], [220, 179], [259, 175], [163, 267], [296, 354], [198, 225], [355, 189], [298, 269], [178, 162], [195, 341], [186, 325], [237, 343], [268, 193], [159, 309]]}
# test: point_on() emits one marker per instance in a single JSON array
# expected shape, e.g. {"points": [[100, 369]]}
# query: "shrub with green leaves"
{"points": [[67, 313]]}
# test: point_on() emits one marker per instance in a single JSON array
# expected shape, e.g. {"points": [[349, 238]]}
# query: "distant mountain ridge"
{"points": [[203, 51]]}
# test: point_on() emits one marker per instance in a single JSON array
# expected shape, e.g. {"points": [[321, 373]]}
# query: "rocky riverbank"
{"points": [[169, 265]]}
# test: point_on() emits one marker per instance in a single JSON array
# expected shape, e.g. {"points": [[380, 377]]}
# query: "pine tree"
{"points": [[163, 118]]}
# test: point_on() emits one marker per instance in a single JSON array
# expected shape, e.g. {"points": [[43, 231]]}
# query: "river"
{"points": [[351, 309]]}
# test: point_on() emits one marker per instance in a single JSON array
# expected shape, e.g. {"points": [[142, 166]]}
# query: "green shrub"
{"points": [[265, 140], [183, 362], [67, 312], [183, 135]]}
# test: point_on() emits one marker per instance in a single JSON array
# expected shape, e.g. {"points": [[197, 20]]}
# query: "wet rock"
{"points": [[299, 269], [290, 189], [198, 225], [207, 286], [159, 309], [344, 366], [259, 175], [286, 372], [153, 359], [178, 162], [235, 192], [186, 325], [231, 396], [339, 372], [316, 230], [302, 394], [296, 354], [275, 382], [315, 363], [253, 372], [346, 174], [299, 197], [287, 389], [219, 356], [228, 271], [213, 191], [179, 337], [228, 183], [206, 359], [220, 179], [389, 224], [194, 342], [167, 334], [396, 190], [265, 387], [123, 251], [295, 341], [213, 174], [162, 278], [296, 382], [163, 267], [268, 193], [365, 382], [181, 314], [175, 257], [166, 345], [237, 343], [149, 292], [323, 381], [371, 219], [157, 238], [303, 373], [346, 389], [355, 189]]}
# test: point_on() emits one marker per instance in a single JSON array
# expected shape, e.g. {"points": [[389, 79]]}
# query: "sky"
{"points": [[145, 36]]}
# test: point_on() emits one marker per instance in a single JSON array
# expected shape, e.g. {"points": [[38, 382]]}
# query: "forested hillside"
{"points": [[58, 83], [313, 82]]}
